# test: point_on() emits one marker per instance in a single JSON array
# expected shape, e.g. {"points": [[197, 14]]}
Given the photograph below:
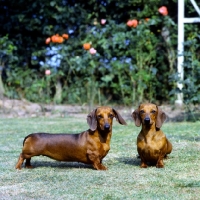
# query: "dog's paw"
{"points": [[160, 166], [100, 167], [18, 167], [143, 165], [29, 166]]}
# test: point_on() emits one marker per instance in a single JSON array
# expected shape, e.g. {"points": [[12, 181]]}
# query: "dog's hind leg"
{"points": [[28, 163], [20, 161], [169, 147]]}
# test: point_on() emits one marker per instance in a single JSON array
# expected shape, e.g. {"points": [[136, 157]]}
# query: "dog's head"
{"points": [[149, 114], [102, 118]]}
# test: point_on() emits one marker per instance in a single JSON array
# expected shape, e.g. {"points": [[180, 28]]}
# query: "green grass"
{"points": [[124, 179]]}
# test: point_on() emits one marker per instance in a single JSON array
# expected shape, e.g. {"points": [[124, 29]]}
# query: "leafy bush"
{"points": [[130, 57], [191, 89], [6, 59]]}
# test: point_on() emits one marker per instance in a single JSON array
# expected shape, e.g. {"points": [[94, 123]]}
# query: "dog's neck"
{"points": [[149, 128], [104, 136]]}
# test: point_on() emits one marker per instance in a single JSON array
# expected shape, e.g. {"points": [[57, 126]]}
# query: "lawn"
{"points": [[124, 179]]}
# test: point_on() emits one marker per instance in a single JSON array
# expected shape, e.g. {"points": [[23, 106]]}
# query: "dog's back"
{"points": [[61, 147]]}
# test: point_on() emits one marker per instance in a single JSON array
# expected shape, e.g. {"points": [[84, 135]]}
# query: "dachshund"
{"points": [[152, 144], [89, 147]]}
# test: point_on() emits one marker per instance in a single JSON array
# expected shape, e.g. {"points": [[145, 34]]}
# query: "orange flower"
{"points": [[135, 22], [129, 23], [66, 36], [48, 40], [86, 46], [55, 38], [60, 39], [132, 23], [163, 10]]}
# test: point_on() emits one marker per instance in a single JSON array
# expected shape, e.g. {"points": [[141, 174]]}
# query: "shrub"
{"points": [[96, 52]]}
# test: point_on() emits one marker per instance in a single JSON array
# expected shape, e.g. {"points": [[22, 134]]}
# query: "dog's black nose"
{"points": [[107, 126], [147, 120]]}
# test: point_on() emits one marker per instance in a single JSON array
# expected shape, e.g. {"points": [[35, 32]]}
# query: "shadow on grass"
{"points": [[187, 138], [130, 161], [57, 164], [188, 184], [137, 161]]}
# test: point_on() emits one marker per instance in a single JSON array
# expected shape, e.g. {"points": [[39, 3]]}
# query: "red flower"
{"points": [[163, 10]]}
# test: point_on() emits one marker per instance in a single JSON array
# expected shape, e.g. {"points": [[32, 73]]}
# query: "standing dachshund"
{"points": [[88, 147], [152, 144]]}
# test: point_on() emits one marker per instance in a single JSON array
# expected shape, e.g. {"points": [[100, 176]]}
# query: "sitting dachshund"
{"points": [[88, 147], [152, 144]]}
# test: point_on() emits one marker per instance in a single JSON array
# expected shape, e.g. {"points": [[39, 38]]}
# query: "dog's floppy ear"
{"points": [[92, 121], [119, 117], [135, 115], [161, 117]]}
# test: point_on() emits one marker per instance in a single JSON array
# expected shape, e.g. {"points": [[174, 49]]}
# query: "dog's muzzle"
{"points": [[147, 120], [106, 126]]}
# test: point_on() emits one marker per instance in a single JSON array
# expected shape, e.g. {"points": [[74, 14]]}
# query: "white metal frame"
{"points": [[181, 21]]}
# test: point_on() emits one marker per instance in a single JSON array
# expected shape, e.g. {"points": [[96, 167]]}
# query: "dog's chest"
{"points": [[105, 148], [104, 144], [100, 145], [148, 144], [149, 147]]}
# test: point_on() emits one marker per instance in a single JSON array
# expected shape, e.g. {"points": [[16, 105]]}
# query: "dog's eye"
{"points": [[99, 116], [110, 116], [153, 111], [141, 111]]}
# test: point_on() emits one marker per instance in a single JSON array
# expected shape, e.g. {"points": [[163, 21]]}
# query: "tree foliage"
{"points": [[131, 64]]}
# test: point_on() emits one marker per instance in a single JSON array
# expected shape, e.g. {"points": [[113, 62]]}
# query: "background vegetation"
{"points": [[124, 179], [130, 65]]}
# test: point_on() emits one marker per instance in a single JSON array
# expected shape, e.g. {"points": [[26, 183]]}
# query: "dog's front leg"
{"points": [[160, 163], [143, 161], [96, 161]]}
